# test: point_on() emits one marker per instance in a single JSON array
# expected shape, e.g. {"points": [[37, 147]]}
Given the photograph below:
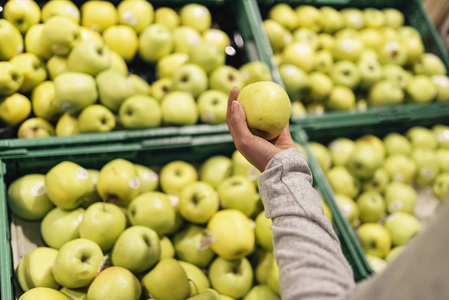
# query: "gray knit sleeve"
{"points": [[306, 248]]}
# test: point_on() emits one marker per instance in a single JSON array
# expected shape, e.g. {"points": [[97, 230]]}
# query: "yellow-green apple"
{"points": [[285, 15], [118, 63], [402, 227], [139, 84], [102, 223], [426, 165], [375, 239], [429, 64], [118, 182], [93, 197], [60, 226], [385, 92], [98, 15], [414, 47], [43, 101], [306, 35], [407, 31], [377, 264], [176, 175], [442, 155], [113, 88], [179, 108], [371, 206], [347, 48], [198, 201], [11, 78], [273, 277], [264, 235], [440, 186], [326, 41], [88, 34], [261, 292], [96, 118], [12, 40], [331, 19], [190, 78], [199, 281], [238, 192], [298, 109], [56, 65], [35, 269], [157, 205], [296, 81], [217, 37], [370, 37], [340, 150], [155, 41], [34, 128], [364, 160], [115, 283], [140, 111], [60, 7], [196, 16], [441, 83], [168, 64], [396, 74], [225, 77], [377, 182], [14, 109], [374, 18], [371, 71], [267, 107], [167, 247], [392, 52], [74, 91], [184, 37], [241, 166], [215, 169], [345, 73], [167, 16], [78, 293], [441, 132], [420, 136], [233, 278], [61, 34], [160, 88], [348, 208], [341, 98], [324, 61], [420, 89], [34, 42], [192, 244], [67, 124], [32, 69], [23, 14], [167, 281], [27, 197], [320, 87], [233, 234], [136, 249], [90, 57], [40, 293], [397, 143], [207, 55], [400, 196], [394, 253], [67, 183], [322, 155], [149, 179], [77, 263], [212, 106], [346, 33], [309, 17], [261, 262], [343, 181], [400, 167], [122, 38], [375, 141], [299, 54], [394, 18], [135, 14], [353, 17], [278, 36]]}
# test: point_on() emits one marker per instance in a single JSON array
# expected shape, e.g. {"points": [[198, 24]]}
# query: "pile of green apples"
{"points": [[351, 59], [377, 183], [66, 69], [181, 230]]}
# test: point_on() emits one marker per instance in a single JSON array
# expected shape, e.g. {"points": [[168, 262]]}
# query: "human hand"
{"points": [[255, 149]]}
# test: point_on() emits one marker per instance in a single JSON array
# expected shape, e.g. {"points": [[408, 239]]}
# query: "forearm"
{"points": [[306, 247]]}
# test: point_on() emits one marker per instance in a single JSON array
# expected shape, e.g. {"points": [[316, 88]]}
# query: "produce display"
{"points": [[352, 58], [173, 231], [377, 182], [99, 66]]}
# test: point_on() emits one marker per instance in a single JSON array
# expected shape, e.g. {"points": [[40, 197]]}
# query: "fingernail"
{"points": [[235, 105]]}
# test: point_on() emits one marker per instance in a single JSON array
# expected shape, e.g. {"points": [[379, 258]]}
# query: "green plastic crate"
{"points": [[153, 152], [232, 16], [415, 16]]}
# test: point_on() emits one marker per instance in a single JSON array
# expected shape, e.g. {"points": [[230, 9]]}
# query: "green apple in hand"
{"points": [[67, 124], [74, 91], [375, 239], [157, 205], [167, 16], [12, 40], [23, 14], [371, 206], [11, 78], [167, 281], [267, 108], [233, 278], [400, 196], [215, 169], [43, 293], [61, 33], [118, 182], [77, 263], [192, 244], [232, 233], [402, 227], [14, 109], [225, 77], [198, 202], [35, 127], [89, 57], [179, 108], [135, 14], [212, 106], [35, 269], [102, 223], [155, 41], [115, 283], [140, 111], [27, 197], [113, 88], [96, 118]]}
